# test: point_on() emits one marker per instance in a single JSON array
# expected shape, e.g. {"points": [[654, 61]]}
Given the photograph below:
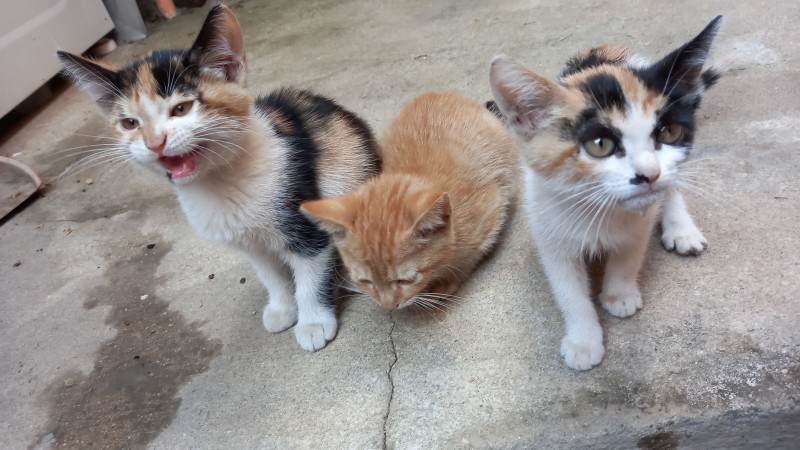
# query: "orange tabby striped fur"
{"points": [[416, 232]]}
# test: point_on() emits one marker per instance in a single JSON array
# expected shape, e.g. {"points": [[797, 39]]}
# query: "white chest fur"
{"points": [[236, 205]]}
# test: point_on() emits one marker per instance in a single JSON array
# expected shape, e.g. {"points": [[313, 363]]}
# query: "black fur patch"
{"points": [[681, 69], [491, 105], [710, 78], [326, 295], [605, 90], [91, 72], [569, 128], [302, 236], [593, 58], [172, 72], [303, 113], [590, 125]]}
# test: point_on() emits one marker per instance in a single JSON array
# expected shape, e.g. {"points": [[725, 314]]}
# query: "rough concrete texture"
{"points": [[109, 343]]}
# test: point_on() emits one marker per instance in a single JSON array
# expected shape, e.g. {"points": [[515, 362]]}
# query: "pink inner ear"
{"points": [[220, 45], [524, 97]]}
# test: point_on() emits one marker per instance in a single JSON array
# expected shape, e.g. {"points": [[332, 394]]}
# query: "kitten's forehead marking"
{"points": [[637, 128], [145, 82], [612, 86]]}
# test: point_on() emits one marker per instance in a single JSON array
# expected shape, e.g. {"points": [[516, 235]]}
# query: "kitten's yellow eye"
{"points": [[600, 147], [406, 282], [364, 281], [670, 133], [129, 124], [181, 109]]}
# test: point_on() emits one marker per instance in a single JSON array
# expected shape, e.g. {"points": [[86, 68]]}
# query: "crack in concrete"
{"points": [[391, 382]]}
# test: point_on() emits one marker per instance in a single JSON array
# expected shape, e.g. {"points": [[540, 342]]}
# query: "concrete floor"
{"points": [[107, 342]]}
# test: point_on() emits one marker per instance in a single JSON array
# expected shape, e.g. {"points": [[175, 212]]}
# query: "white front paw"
{"points": [[582, 351], [313, 335], [622, 304], [278, 317], [684, 238]]}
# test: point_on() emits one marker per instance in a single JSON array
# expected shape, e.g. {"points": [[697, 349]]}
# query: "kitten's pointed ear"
{"points": [[219, 47], [684, 66], [525, 98], [432, 209], [98, 80], [334, 215]]}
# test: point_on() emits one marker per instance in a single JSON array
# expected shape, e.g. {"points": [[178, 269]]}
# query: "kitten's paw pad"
{"points": [[621, 305], [312, 336], [685, 240], [582, 354], [278, 318]]}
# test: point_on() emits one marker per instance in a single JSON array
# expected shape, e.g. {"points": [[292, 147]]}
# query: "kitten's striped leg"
{"points": [[679, 232], [316, 322], [281, 311], [582, 345]]}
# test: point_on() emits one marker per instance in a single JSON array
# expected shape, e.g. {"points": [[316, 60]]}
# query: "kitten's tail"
{"points": [[491, 105]]}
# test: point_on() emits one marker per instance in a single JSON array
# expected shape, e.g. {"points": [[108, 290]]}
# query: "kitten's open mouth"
{"points": [[181, 166]]}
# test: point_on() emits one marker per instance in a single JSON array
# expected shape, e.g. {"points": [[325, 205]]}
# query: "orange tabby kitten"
{"points": [[415, 233]]}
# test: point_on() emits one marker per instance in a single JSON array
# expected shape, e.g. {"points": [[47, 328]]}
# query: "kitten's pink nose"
{"points": [[156, 145]]}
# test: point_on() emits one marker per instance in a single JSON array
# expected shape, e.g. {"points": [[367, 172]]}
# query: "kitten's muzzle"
{"points": [[155, 146]]}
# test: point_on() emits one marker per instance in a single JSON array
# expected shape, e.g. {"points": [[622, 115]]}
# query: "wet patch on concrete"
{"points": [[129, 397], [661, 440]]}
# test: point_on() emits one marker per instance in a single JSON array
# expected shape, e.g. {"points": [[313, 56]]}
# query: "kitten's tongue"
{"points": [[179, 166]]}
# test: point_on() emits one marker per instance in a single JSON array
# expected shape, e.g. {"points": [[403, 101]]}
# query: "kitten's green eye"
{"points": [[406, 282], [364, 281], [129, 124], [600, 147], [670, 133], [181, 109]]}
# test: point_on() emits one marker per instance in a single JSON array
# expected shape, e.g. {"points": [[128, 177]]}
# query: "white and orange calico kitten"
{"points": [[606, 144], [240, 167], [412, 235]]}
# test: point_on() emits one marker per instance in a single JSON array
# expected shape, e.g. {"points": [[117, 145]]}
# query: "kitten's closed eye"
{"points": [[406, 281]]}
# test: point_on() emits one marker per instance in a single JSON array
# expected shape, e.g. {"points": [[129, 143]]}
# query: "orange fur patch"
{"points": [[231, 99], [145, 83]]}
